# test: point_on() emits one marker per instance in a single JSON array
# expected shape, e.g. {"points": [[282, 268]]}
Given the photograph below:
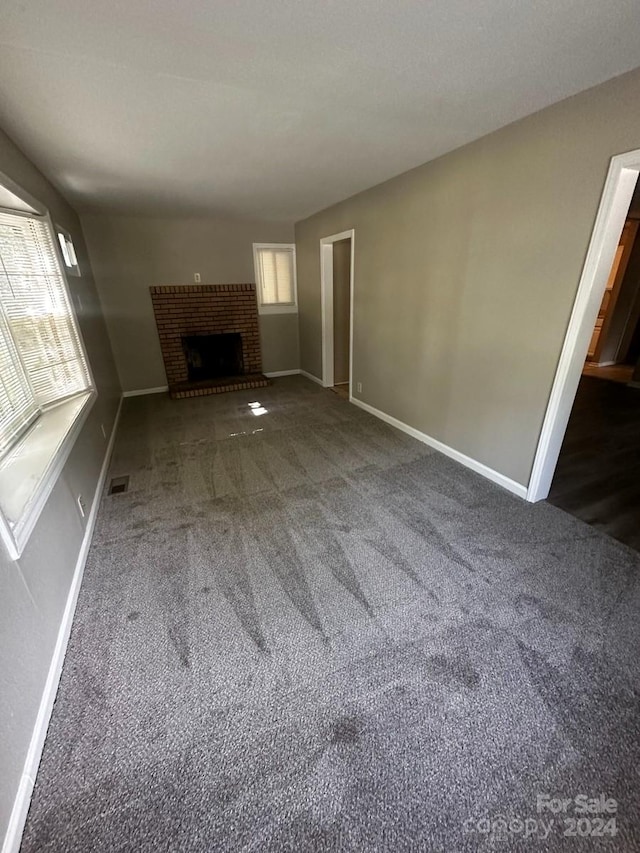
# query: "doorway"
{"points": [[597, 478], [337, 285], [619, 187], [610, 339]]}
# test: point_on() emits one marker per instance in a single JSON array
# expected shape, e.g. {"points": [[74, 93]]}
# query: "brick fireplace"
{"points": [[196, 324]]}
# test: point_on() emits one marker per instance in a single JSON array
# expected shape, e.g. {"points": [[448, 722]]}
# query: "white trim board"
{"points": [[141, 392], [57, 428], [326, 300], [612, 213], [495, 477], [298, 372], [22, 801], [311, 377]]}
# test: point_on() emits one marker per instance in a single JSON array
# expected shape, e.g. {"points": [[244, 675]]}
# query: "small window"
{"points": [[275, 267], [45, 383], [68, 252]]}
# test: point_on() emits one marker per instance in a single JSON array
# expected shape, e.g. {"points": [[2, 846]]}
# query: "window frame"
{"points": [[43, 448], [280, 307]]}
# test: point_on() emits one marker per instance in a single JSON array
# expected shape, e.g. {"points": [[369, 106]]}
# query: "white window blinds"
{"points": [[17, 405], [42, 358], [275, 273]]}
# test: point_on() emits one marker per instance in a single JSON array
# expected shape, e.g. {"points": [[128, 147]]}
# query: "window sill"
{"points": [[29, 471], [277, 309]]}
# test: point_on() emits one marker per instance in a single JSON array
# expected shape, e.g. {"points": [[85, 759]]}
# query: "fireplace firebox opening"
{"points": [[213, 356]]}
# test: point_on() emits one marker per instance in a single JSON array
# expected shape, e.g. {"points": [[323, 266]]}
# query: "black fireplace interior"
{"points": [[213, 356]]}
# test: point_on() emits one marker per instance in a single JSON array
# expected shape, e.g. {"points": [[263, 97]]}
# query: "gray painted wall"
{"points": [[466, 270], [131, 253], [33, 590]]}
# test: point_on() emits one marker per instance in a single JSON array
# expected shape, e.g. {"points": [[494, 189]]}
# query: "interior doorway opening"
{"points": [[336, 274], [597, 477], [618, 191], [612, 340]]}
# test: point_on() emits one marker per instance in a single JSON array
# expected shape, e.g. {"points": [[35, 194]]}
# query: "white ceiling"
{"points": [[276, 109]]}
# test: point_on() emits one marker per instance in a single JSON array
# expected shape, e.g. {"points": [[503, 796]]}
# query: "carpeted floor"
{"points": [[305, 631]]}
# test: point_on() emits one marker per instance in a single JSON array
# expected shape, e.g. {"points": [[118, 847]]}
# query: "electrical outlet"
{"points": [[81, 506], [359, 387], [196, 277], [104, 432]]}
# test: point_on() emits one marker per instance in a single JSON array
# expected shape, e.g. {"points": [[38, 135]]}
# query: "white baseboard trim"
{"points": [[311, 377], [21, 803], [467, 461], [161, 389], [275, 373]]}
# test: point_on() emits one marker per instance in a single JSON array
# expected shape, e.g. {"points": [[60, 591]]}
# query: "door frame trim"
{"points": [[612, 213], [326, 297]]}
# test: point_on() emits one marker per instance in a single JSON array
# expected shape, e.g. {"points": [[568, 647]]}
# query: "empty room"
{"points": [[319, 400]]}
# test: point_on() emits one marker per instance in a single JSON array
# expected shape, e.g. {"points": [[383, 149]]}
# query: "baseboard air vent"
{"points": [[119, 485]]}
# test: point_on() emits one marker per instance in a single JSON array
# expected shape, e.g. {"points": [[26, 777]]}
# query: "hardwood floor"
{"points": [[342, 390], [615, 372], [598, 473]]}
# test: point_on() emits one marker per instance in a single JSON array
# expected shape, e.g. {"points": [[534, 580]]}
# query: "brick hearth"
{"points": [[207, 309]]}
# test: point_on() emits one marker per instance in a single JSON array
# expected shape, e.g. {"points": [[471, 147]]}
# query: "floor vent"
{"points": [[119, 485]]}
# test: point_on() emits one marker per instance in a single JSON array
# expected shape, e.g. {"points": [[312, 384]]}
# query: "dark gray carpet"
{"points": [[306, 631]]}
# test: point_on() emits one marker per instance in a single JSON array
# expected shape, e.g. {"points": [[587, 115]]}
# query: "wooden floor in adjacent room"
{"points": [[342, 390], [598, 473]]}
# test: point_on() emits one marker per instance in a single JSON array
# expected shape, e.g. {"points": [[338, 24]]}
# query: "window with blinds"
{"points": [[41, 356], [275, 275]]}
